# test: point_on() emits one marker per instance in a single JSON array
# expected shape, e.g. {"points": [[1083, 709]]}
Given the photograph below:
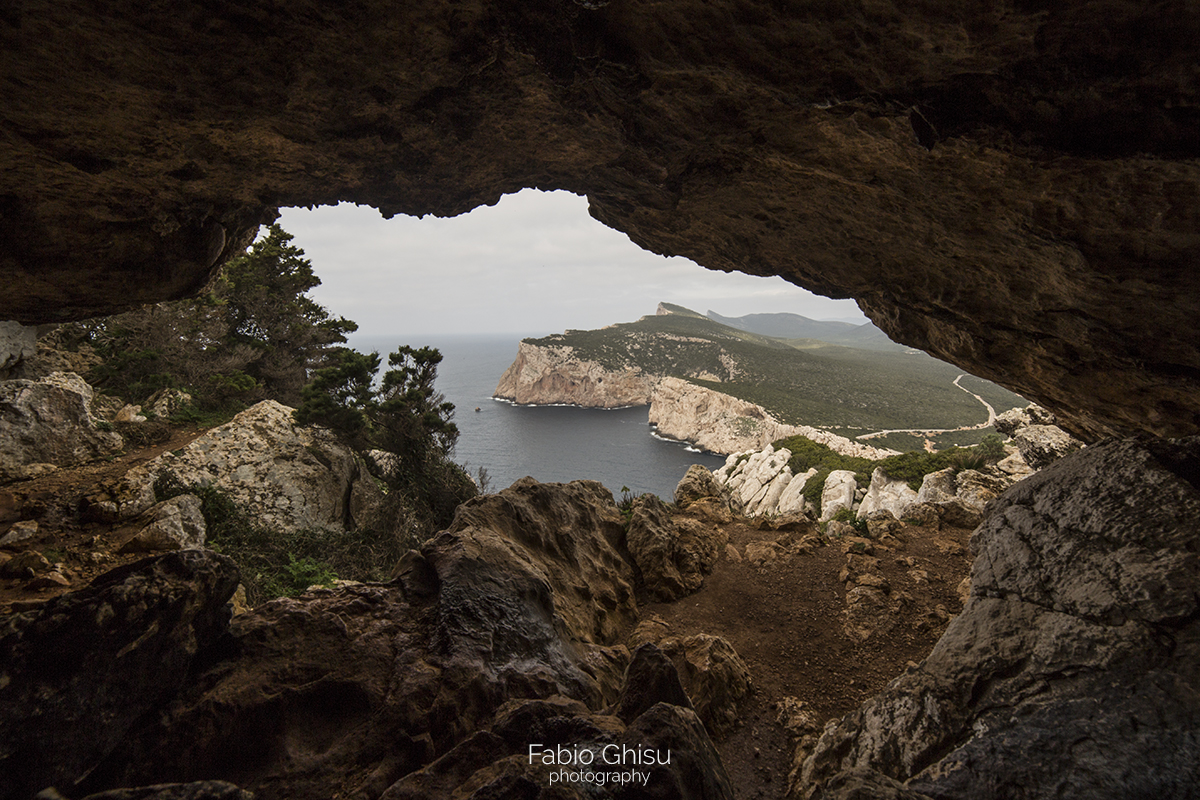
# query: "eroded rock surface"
{"points": [[79, 673], [1071, 671], [859, 151], [501, 632], [286, 475], [49, 423], [673, 555]]}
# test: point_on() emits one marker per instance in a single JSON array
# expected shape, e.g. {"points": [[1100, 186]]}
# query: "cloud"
{"points": [[534, 263]]}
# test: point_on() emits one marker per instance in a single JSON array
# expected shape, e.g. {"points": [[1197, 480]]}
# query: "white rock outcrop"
{"points": [[724, 424], [49, 422], [838, 493], [886, 494], [174, 524], [551, 375], [286, 475], [762, 483]]}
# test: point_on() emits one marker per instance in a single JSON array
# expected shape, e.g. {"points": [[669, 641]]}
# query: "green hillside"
{"points": [[801, 381]]}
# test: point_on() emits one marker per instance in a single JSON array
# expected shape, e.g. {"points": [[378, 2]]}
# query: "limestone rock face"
{"points": [[714, 676], [673, 555], [697, 484], [886, 494], [49, 421], [1071, 670], [174, 524], [1041, 445], [511, 616], [80, 671], [288, 476], [838, 493], [553, 375], [724, 424]]}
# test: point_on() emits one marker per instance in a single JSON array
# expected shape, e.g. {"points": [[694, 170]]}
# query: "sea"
{"points": [[553, 444]]}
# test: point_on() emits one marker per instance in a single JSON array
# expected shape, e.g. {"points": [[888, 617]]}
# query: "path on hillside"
{"points": [[991, 419]]}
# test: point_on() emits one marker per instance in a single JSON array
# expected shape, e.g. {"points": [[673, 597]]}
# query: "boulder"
{"points": [[86, 666], [697, 484], [837, 494], [886, 494], [938, 487], [49, 421], [791, 499], [174, 524], [1071, 670], [673, 556], [1042, 445], [286, 475], [1015, 419], [346, 690], [19, 532], [716, 679]]}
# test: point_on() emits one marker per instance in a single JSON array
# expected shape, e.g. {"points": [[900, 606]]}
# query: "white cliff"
{"points": [[546, 375], [723, 424]]}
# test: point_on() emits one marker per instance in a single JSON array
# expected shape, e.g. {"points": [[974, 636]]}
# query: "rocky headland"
{"points": [[554, 375]]}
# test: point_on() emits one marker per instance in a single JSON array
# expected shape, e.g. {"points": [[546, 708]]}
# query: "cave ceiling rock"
{"points": [[1013, 187]]}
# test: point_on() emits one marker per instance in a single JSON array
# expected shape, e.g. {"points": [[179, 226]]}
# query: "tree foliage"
{"points": [[404, 416], [254, 334]]}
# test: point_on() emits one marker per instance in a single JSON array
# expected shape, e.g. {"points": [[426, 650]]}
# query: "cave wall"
{"points": [[1011, 186]]}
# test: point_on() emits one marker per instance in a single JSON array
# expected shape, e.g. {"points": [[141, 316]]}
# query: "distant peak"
{"points": [[670, 308]]}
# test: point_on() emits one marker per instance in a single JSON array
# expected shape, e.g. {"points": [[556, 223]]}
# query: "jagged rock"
{"points": [[697, 484], [17, 343], [497, 763], [543, 375], [975, 490], [49, 421], [1041, 445], [19, 532], [165, 403], [652, 678], [886, 494], [287, 476], [344, 690], [1015, 466], [673, 555], [1071, 670], [838, 493], [715, 678], [82, 669], [866, 612], [1015, 419], [201, 790], [791, 500], [174, 524], [938, 487]]}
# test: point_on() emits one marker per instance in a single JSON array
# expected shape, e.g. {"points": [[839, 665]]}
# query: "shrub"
{"points": [[276, 563]]}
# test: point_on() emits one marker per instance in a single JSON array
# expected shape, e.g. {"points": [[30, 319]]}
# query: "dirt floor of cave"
{"points": [[785, 617]]}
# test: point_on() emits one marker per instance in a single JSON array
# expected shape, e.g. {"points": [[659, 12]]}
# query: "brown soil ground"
{"points": [[786, 619], [786, 616], [84, 549]]}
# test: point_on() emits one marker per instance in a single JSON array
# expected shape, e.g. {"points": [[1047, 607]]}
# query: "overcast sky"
{"points": [[533, 264]]}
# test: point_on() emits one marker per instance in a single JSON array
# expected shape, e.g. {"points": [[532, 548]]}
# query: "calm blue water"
{"points": [[552, 444]]}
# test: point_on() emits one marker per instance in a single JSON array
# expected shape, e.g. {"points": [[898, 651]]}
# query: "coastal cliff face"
{"points": [[723, 424], [552, 375]]}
